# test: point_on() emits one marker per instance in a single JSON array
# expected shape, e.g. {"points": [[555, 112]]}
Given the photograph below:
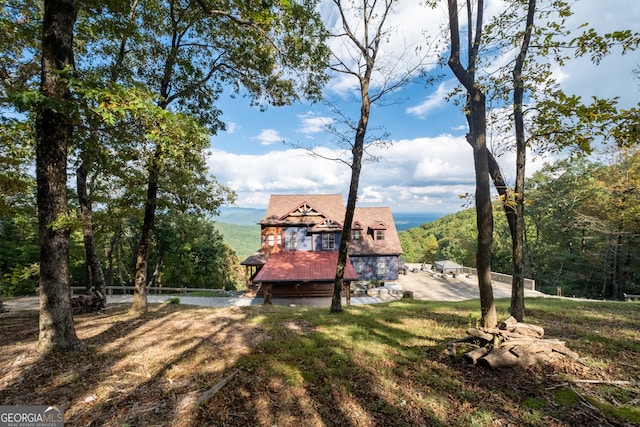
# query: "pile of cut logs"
{"points": [[511, 344], [88, 303]]}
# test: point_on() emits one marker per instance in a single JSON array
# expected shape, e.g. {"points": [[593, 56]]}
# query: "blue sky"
{"points": [[429, 164]]}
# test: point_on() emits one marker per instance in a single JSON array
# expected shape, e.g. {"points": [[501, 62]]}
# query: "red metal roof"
{"points": [[298, 266]]}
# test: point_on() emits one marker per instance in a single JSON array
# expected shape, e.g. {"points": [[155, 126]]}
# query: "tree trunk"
{"points": [[484, 208], [139, 303], [93, 262], [517, 238], [53, 132], [356, 167], [476, 118], [3, 309]]}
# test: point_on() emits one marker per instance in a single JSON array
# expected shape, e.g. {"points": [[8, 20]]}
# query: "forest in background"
{"points": [[188, 251], [582, 229]]}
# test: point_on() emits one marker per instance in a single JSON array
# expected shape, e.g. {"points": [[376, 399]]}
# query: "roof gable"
{"points": [[327, 225], [303, 208], [378, 225]]}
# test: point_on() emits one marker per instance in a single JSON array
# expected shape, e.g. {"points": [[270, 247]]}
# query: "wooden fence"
{"points": [[124, 290]]}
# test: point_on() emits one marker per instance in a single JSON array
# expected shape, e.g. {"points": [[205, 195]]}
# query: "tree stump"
{"points": [[512, 344]]}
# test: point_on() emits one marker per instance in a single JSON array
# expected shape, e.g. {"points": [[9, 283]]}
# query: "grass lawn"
{"points": [[372, 365]]}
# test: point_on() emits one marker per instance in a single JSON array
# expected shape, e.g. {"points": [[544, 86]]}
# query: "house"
{"points": [[300, 237]]}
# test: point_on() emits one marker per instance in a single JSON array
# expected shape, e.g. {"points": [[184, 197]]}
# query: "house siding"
{"points": [[305, 242], [370, 267]]}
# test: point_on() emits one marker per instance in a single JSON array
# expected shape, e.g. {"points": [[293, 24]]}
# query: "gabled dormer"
{"points": [[356, 231], [326, 225], [378, 231]]}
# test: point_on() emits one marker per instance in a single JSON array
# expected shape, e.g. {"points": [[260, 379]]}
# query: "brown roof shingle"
{"points": [[371, 218]]}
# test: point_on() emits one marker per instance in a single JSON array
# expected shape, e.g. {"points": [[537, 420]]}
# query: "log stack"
{"points": [[88, 303], [511, 344]]}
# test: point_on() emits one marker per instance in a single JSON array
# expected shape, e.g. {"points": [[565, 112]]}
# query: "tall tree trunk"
{"points": [[53, 132], [616, 282], [484, 208], [517, 238], [139, 303], [93, 262], [356, 167], [476, 118]]}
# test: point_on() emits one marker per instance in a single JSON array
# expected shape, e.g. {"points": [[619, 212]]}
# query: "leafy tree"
{"points": [[430, 249], [190, 252], [541, 37], [582, 227], [186, 53], [475, 111]]}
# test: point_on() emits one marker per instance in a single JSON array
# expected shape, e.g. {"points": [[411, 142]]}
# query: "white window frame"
{"points": [[358, 266], [381, 268], [291, 241], [328, 241]]}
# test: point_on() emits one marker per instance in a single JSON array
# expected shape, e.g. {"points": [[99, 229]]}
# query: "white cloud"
{"points": [[269, 136], [419, 175], [231, 127], [311, 122], [413, 175], [433, 101]]}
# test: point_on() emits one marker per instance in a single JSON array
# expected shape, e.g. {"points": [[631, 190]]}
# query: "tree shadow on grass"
{"points": [[146, 370], [369, 366]]}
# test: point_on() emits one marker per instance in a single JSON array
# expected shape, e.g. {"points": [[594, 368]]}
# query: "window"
{"points": [[382, 268], [356, 235], [358, 266], [328, 241], [291, 241], [264, 239], [271, 239], [379, 234], [279, 240]]}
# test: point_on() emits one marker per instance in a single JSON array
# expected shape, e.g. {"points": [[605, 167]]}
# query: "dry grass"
{"points": [[381, 365]]}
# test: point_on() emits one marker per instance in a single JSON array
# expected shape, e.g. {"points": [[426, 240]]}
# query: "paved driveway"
{"points": [[433, 288]]}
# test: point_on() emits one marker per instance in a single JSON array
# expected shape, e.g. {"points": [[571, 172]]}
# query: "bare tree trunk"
{"points": [[53, 133], [356, 167], [484, 209], [616, 282], [139, 303], [476, 118], [517, 238], [93, 262]]}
